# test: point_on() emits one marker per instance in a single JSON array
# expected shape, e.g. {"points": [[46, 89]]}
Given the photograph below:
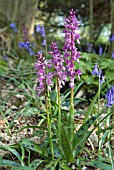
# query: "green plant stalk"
{"points": [[59, 111], [99, 119], [109, 137], [48, 112], [48, 121], [71, 116], [47, 88]]}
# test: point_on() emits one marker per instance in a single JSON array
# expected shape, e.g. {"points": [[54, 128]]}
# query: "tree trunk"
{"points": [[91, 20], [112, 24], [20, 11]]}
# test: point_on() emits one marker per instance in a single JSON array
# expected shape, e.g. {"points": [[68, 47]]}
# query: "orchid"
{"points": [[43, 77], [70, 51], [57, 61]]}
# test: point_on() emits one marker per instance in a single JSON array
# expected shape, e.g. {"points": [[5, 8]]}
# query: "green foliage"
{"points": [[32, 146], [57, 148], [66, 146], [87, 63], [23, 168], [100, 164], [5, 162], [3, 67]]}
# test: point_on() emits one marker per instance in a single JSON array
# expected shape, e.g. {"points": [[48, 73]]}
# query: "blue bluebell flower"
{"points": [[5, 57], [102, 79], [43, 33], [44, 42], [89, 47], [111, 38], [100, 50], [21, 45], [38, 28], [28, 46], [98, 73], [41, 30], [113, 54], [13, 26], [110, 97]]}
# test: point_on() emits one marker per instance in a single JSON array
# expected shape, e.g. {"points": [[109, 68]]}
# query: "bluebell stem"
{"points": [[98, 73]]}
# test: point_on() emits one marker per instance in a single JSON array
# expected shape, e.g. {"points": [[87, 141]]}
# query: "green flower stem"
{"points": [[48, 111], [109, 137], [71, 116], [99, 119], [49, 121], [59, 112]]}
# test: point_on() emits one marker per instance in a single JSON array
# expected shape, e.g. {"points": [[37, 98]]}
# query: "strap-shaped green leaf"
{"points": [[23, 168], [80, 134], [4, 162], [65, 167], [81, 144], [36, 163], [32, 146], [101, 165], [52, 165], [66, 147], [13, 151]]}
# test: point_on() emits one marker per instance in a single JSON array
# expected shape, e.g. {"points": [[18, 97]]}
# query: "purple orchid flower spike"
{"points": [[71, 55]]}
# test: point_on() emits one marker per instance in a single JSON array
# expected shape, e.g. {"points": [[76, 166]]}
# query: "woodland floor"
{"points": [[18, 110]]}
